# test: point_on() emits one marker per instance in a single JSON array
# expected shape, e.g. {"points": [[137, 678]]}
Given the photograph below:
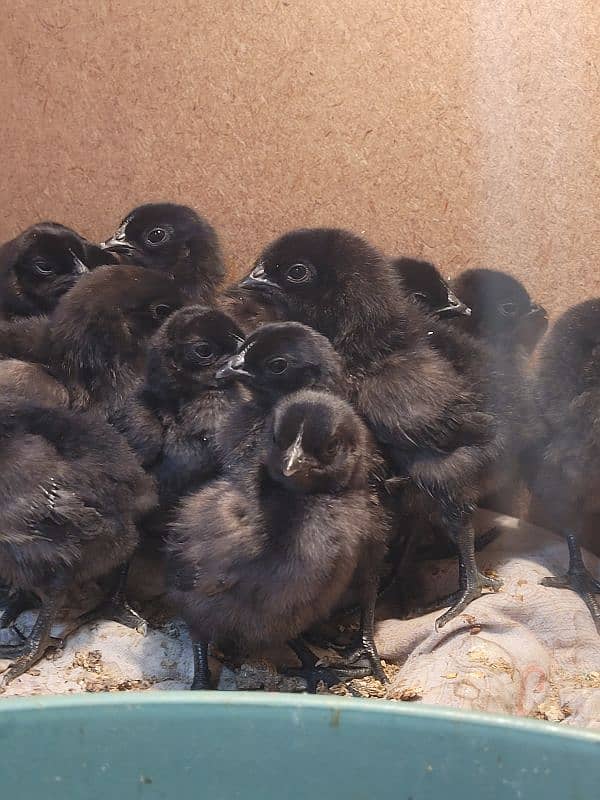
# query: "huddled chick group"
{"points": [[281, 444]]}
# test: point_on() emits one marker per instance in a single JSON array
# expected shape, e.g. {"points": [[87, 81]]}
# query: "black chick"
{"points": [[424, 284], [566, 483], [419, 408], [40, 265], [173, 239], [71, 493], [509, 325], [493, 366], [171, 421], [503, 313], [100, 330], [22, 381], [258, 568]]}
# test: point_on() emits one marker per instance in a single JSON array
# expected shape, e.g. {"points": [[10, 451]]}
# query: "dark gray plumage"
{"points": [[565, 480], [258, 559], [71, 492], [172, 419]]}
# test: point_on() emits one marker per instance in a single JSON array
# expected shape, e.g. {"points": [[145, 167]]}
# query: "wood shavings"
{"points": [[552, 711], [406, 694], [122, 686], [90, 660], [497, 664], [585, 680]]}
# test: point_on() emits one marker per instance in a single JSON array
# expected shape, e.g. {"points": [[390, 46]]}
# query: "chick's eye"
{"points": [[43, 267], [162, 311], [156, 236], [298, 273], [508, 309], [204, 350], [421, 296], [277, 365]]}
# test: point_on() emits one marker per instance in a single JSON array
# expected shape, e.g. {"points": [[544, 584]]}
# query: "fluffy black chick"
{"points": [[509, 325], [566, 483], [100, 330], [71, 492], [171, 421], [23, 381], [424, 284], [175, 240], [494, 368], [258, 568], [435, 430], [40, 265], [503, 313]]}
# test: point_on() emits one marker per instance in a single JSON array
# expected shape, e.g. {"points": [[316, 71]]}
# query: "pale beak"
{"points": [[537, 311], [258, 280], [233, 369], [118, 240], [455, 307], [294, 459], [80, 267]]}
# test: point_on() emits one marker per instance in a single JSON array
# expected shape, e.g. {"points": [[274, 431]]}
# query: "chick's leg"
{"points": [[37, 643], [364, 653], [367, 628], [116, 607], [446, 548], [362, 658], [578, 578], [471, 582], [311, 670], [201, 680]]}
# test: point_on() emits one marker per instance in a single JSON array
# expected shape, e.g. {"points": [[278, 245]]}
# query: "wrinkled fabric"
{"points": [[527, 650]]}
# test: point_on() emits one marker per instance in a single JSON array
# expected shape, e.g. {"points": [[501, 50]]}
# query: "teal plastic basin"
{"points": [[245, 745]]}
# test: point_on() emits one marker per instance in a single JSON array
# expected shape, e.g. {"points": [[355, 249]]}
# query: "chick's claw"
{"points": [[120, 612], [585, 585], [458, 601], [26, 655]]}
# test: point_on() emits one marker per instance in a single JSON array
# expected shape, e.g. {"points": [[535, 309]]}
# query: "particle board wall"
{"points": [[464, 132]]}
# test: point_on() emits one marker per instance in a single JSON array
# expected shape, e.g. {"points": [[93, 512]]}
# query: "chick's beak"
{"points": [[258, 280], [115, 240], [233, 369], [537, 311], [294, 459], [79, 267], [118, 241], [455, 307]]}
